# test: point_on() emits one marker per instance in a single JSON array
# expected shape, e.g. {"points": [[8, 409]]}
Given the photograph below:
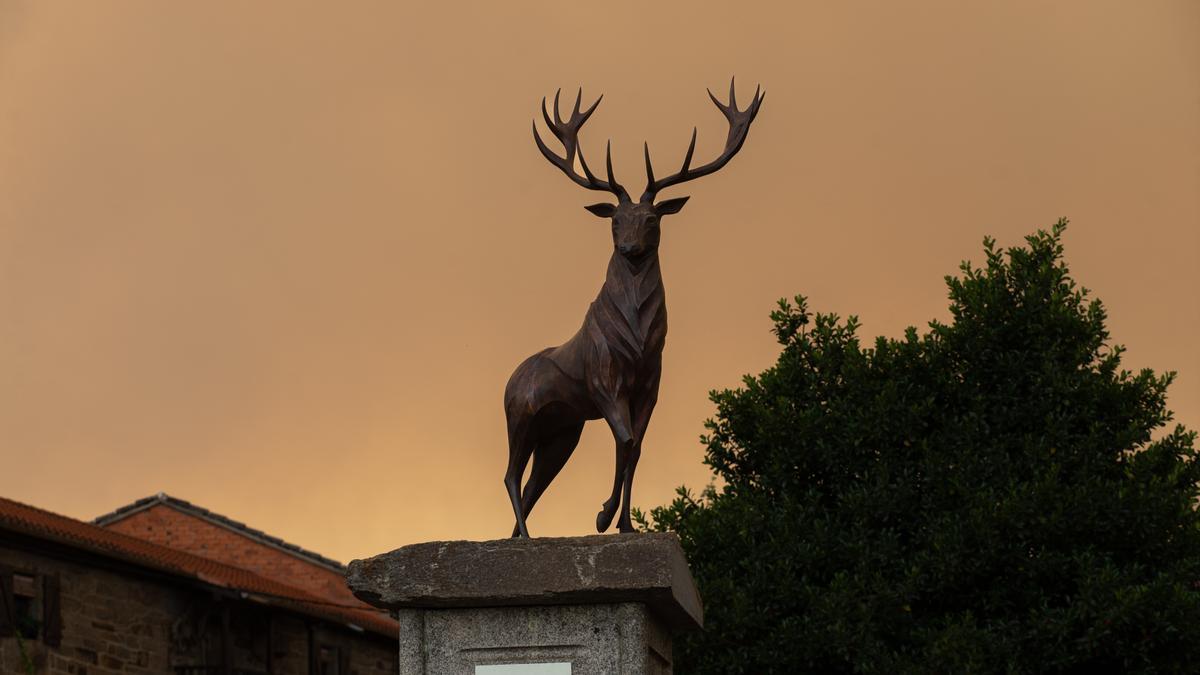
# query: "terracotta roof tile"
{"points": [[35, 522], [188, 507]]}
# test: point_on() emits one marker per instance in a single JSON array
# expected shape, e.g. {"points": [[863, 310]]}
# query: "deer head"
{"points": [[635, 225]]}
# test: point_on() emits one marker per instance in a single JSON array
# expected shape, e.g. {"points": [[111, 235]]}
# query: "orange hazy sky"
{"points": [[279, 259]]}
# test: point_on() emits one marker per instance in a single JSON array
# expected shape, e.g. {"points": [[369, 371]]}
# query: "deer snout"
{"points": [[632, 251]]}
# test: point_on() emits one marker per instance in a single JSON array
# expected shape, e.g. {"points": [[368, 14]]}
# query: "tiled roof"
{"points": [[199, 511], [35, 522]]}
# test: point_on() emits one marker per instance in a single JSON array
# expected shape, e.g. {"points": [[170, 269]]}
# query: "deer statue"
{"points": [[610, 369]]}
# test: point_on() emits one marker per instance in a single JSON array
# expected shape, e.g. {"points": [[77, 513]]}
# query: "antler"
{"points": [[739, 126], [568, 134]]}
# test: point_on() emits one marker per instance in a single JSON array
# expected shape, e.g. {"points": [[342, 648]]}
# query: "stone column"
{"points": [[597, 605]]}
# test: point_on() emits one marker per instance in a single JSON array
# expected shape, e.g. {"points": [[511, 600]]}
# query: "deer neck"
{"points": [[634, 306], [633, 284]]}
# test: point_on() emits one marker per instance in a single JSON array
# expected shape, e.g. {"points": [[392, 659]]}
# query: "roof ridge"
{"points": [[235, 525]]}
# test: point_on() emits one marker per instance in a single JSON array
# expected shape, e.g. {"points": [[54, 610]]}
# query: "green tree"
{"points": [[982, 497]]}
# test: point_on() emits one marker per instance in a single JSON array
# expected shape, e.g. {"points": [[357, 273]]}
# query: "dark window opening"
{"points": [[25, 608], [329, 661]]}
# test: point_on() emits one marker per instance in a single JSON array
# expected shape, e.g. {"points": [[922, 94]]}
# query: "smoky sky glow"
{"points": [[279, 259]]}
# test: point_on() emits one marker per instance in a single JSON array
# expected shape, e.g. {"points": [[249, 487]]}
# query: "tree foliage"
{"points": [[983, 497]]}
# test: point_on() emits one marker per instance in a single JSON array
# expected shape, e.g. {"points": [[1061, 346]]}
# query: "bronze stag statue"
{"points": [[609, 369]]}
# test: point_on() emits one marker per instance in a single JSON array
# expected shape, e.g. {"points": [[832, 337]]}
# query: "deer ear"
{"points": [[602, 209], [670, 206]]}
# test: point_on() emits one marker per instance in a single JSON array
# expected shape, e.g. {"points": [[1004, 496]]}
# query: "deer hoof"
{"points": [[605, 518]]}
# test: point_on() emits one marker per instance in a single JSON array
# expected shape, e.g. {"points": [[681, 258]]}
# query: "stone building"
{"points": [[165, 587], [183, 526]]}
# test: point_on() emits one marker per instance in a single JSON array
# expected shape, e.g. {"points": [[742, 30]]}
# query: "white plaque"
{"points": [[525, 669]]}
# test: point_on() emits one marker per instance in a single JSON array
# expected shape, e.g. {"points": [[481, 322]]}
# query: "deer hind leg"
{"points": [[520, 447], [548, 459], [618, 421]]}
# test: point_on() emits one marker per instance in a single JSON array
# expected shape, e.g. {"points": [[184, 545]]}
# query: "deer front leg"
{"points": [[642, 409], [617, 415]]}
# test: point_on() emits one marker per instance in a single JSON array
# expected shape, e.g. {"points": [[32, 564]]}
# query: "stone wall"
{"points": [[118, 620], [111, 624]]}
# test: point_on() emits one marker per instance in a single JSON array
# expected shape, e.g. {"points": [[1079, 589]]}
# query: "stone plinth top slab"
{"points": [[648, 568]]}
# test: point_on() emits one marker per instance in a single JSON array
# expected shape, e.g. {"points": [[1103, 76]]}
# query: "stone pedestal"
{"points": [[604, 604]]}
